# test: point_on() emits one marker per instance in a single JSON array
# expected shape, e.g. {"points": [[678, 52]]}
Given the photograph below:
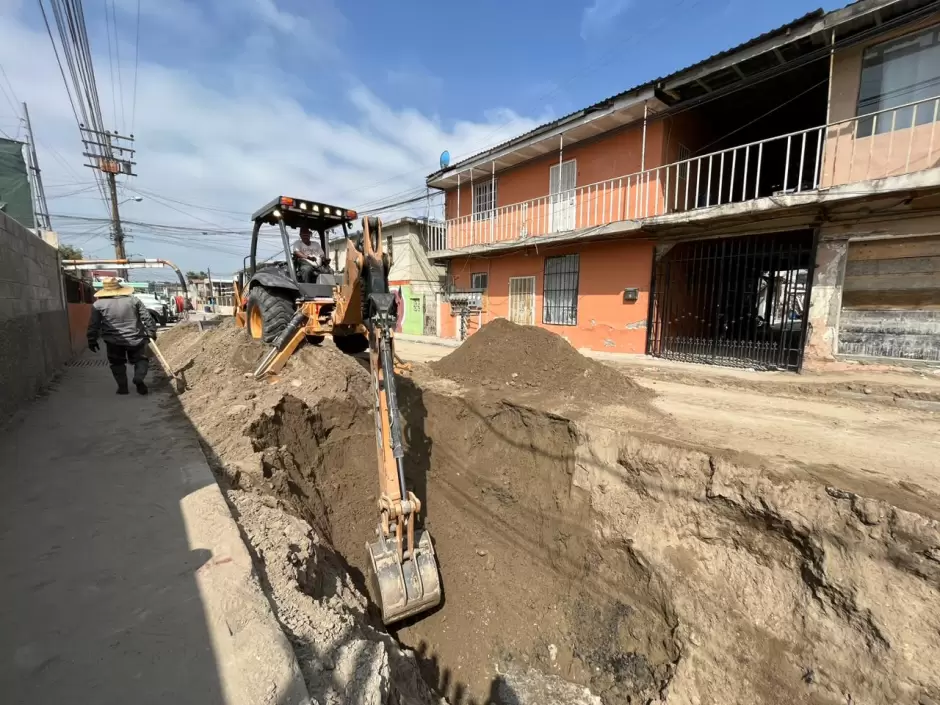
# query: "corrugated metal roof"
{"points": [[782, 29]]}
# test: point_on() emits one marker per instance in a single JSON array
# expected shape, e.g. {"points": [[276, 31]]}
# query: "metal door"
{"points": [[430, 314], [561, 187], [522, 300], [737, 301]]}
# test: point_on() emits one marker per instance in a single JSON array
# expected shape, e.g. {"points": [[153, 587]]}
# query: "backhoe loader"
{"points": [[360, 314]]}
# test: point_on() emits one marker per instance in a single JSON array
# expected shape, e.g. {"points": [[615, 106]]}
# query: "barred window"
{"points": [[560, 291], [897, 73], [478, 280], [484, 200]]}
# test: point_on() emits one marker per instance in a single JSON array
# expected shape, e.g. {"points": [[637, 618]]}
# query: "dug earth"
{"points": [[589, 551]]}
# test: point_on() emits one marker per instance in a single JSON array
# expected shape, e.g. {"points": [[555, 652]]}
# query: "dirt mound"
{"points": [[504, 355]]}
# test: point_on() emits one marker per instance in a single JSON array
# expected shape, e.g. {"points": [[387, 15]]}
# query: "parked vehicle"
{"points": [[160, 310]]}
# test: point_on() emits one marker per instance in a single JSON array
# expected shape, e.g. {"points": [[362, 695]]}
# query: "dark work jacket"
{"points": [[120, 320]]}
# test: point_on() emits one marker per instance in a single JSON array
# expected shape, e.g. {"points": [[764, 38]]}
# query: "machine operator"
{"points": [[310, 257]]}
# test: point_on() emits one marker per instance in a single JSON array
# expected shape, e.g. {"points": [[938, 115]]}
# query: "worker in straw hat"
{"points": [[125, 325]]}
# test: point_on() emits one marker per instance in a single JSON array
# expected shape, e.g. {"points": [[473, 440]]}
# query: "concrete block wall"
{"points": [[34, 326]]}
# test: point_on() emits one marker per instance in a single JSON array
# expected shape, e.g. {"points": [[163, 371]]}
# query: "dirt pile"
{"points": [[504, 355], [574, 554]]}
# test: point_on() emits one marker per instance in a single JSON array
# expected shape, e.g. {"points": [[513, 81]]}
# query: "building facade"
{"points": [[769, 205], [416, 281]]}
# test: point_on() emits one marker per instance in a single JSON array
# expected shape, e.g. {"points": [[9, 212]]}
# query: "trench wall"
{"points": [[34, 324]]}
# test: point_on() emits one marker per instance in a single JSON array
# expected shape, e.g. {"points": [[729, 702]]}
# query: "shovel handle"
{"points": [[159, 355]]}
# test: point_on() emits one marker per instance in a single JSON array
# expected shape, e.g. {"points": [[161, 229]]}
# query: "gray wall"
{"points": [[34, 326]]}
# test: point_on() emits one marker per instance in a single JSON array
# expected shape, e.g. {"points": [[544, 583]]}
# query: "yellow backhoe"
{"points": [[359, 314]]}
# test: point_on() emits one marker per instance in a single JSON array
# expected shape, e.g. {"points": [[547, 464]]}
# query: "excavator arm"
{"points": [[404, 568]]}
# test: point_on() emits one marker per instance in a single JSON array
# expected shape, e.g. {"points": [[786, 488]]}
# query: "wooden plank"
{"points": [[894, 249], [911, 300], [907, 265], [892, 282]]}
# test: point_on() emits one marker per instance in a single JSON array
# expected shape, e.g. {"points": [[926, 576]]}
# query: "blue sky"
{"points": [[240, 100]]}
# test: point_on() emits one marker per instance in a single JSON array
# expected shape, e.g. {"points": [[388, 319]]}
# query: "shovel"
{"points": [[179, 384]]}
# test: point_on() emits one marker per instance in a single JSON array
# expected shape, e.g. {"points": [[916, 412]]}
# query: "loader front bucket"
{"points": [[407, 587]]}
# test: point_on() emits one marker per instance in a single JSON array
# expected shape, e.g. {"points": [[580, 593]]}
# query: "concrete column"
{"points": [[825, 304]]}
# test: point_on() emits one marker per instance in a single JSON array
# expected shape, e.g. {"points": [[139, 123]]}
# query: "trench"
{"points": [[640, 569], [528, 581]]}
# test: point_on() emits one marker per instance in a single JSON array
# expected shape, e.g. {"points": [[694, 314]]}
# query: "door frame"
{"points": [[562, 209], [513, 296]]}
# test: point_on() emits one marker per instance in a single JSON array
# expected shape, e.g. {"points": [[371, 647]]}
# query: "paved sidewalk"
{"points": [[123, 577]]}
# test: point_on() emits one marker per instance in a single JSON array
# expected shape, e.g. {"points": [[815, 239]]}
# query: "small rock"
{"points": [[296, 383], [868, 511], [218, 370], [250, 395], [552, 652], [490, 563], [236, 410], [248, 375], [868, 390], [836, 493], [481, 552], [514, 375]]}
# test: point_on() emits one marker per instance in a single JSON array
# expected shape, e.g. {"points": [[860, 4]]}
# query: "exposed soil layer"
{"points": [[504, 355], [572, 551]]}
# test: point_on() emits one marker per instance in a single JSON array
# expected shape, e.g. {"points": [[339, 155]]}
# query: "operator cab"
{"points": [[290, 216]]}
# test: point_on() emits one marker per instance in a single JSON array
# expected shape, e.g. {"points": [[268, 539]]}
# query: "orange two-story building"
{"points": [[771, 201]]}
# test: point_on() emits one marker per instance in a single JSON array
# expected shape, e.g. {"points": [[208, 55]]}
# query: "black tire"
{"points": [[276, 308], [315, 339], [352, 344]]}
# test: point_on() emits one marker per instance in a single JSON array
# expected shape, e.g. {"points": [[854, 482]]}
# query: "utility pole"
{"points": [[41, 207], [110, 153]]}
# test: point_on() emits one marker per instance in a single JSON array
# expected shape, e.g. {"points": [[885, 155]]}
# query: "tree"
{"points": [[196, 275], [69, 252]]}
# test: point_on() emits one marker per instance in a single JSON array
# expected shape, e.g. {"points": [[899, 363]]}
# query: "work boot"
{"points": [[141, 387], [120, 376]]}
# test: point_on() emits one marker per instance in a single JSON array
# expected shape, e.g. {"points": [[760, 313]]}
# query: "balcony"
{"points": [[886, 143]]}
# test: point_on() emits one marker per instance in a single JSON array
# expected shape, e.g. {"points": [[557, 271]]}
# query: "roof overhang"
{"points": [[576, 128]]}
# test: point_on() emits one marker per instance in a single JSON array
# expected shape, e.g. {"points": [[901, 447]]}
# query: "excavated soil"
{"points": [[504, 355], [582, 560]]}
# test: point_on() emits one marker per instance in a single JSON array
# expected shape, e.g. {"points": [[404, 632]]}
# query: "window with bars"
{"points": [[484, 199], [478, 280], [560, 290], [898, 73]]}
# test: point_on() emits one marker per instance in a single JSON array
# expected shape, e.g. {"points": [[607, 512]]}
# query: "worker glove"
{"points": [[93, 346]]}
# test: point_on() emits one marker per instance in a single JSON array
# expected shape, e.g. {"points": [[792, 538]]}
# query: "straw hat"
{"points": [[112, 287]]}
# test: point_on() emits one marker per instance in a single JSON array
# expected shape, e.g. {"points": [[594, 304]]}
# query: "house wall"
{"points": [[605, 322], [876, 291], [34, 324], [618, 153], [875, 156]]}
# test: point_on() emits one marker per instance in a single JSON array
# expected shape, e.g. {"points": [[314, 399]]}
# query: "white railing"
{"points": [[435, 235], [800, 161]]}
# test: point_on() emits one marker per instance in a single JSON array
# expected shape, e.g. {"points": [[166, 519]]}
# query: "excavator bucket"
{"points": [[408, 586]]}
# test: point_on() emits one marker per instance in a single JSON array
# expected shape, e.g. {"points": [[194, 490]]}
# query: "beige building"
{"points": [[419, 282]]}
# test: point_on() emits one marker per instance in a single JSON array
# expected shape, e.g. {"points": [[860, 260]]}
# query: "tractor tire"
{"points": [[272, 309], [315, 339], [352, 344]]}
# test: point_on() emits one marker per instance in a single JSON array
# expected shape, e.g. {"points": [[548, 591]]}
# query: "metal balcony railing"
{"points": [[848, 151]]}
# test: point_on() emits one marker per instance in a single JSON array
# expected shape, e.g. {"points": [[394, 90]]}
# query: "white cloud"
{"points": [[597, 18], [232, 138]]}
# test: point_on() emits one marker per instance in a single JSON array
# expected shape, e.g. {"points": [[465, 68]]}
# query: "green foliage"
{"points": [[69, 252]]}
